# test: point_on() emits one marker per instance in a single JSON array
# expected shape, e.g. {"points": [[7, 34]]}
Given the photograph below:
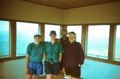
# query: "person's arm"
{"points": [[60, 57], [44, 56], [44, 53], [61, 51], [81, 55], [26, 65]]}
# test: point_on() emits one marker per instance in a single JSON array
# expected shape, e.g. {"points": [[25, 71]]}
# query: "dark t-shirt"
{"points": [[64, 42]]}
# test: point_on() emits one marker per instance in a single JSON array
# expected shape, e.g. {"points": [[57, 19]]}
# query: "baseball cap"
{"points": [[37, 34], [53, 32]]}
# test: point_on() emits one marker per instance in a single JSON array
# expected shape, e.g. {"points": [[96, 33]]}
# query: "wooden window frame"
{"points": [[62, 26]]}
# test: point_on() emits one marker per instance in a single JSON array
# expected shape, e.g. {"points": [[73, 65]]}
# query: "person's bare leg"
{"points": [[49, 76], [73, 78], [54, 77], [61, 74], [36, 77], [69, 76], [29, 76]]}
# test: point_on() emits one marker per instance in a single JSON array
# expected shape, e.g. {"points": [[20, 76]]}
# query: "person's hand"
{"points": [[63, 69], [79, 65], [26, 71], [58, 40]]}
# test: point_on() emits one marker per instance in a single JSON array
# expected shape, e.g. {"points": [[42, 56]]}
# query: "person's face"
{"points": [[72, 39], [52, 36], [37, 39], [63, 33]]}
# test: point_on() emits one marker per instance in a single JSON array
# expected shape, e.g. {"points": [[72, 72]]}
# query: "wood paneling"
{"points": [[67, 4]]}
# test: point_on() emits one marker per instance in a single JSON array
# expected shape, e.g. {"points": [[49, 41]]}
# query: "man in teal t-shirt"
{"points": [[34, 58], [35, 52], [52, 56], [53, 51]]}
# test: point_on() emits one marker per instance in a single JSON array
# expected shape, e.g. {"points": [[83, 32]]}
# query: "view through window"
{"points": [[4, 39], [98, 41], [25, 35]]}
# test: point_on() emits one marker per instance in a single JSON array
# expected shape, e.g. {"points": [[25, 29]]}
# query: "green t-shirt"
{"points": [[53, 51], [35, 52]]}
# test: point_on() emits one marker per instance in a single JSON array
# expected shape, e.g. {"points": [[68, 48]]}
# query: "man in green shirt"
{"points": [[34, 58], [52, 56]]}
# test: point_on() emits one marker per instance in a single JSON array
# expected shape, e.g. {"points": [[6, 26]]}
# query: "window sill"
{"points": [[2, 60], [103, 60]]}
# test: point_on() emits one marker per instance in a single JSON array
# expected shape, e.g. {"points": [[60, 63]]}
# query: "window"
{"points": [[117, 44], [4, 39], [48, 28], [77, 29], [98, 41], [25, 33]]}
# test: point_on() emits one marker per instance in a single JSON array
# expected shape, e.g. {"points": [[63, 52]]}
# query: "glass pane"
{"points": [[48, 28], [117, 45], [25, 33], [4, 39], [77, 29], [98, 40]]}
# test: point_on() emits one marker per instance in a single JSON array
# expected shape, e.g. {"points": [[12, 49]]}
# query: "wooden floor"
{"points": [[44, 77], [90, 70]]}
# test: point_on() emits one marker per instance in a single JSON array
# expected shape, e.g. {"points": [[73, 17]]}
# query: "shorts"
{"points": [[74, 72], [61, 65], [35, 68], [52, 68]]}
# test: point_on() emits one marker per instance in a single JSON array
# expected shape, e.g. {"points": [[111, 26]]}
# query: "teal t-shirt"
{"points": [[35, 52], [53, 51]]}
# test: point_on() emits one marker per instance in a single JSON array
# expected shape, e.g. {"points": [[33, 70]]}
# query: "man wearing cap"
{"points": [[52, 56], [73, 57], [34, 58]]}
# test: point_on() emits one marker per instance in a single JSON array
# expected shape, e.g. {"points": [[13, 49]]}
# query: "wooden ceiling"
{"points": [[68, 4]]}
